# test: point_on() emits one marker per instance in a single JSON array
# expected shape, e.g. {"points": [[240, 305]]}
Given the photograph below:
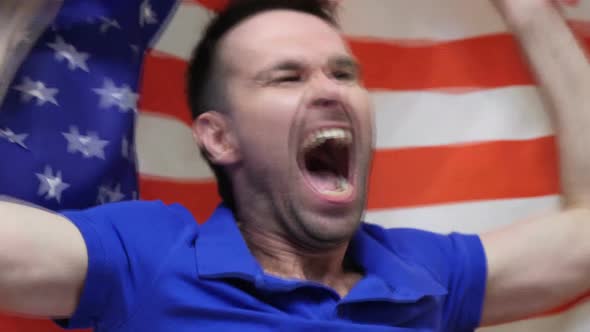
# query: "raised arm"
{"points": [[543, 263], [43, 262]]}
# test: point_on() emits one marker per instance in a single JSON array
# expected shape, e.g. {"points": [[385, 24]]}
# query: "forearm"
{"points": [[562, 70]]}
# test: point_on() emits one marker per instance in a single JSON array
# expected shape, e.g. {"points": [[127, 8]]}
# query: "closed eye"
{"points": [[344, 75], [288, 78]]}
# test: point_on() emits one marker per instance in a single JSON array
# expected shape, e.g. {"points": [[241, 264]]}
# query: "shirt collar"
{"points": [[222, 253], [221, 250], [406, 281]]}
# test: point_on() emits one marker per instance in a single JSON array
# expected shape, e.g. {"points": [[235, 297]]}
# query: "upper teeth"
{"points": [[341, 136]]}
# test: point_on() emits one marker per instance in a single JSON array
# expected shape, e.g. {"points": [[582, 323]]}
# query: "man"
{"points": [[283, 119], [69, 81]]}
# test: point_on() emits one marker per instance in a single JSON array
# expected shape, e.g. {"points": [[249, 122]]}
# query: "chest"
{"points": [[234, 304]]}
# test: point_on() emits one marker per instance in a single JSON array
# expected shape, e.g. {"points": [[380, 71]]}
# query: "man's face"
{"points": [[302, 123]]}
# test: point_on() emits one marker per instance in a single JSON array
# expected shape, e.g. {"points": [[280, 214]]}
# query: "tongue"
{"points": [[324, 181]]}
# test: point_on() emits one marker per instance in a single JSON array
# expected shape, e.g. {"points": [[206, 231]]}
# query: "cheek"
{"points": [[364, 113], [266, 117], [263, 136]]}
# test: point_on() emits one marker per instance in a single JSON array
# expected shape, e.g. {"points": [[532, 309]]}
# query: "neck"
{"points": [[281, 257]]}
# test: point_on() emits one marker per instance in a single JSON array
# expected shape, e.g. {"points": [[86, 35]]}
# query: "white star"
{"points": [[106, 194], [12, 137], [135, 49], [65, 51], [90, 145], [51, 185], [123, 97], [36, 89], [147, 14], [107, 24]]}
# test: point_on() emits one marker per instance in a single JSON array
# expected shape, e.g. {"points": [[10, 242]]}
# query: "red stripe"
{"points": [[491, 170], [215, 5], [420, 176], [484, 62], [162, 87], [200, 198], [13, 324]]}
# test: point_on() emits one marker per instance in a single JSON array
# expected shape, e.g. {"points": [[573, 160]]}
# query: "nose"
{"points": [[325, 92], [326, 98], [324, 102]]}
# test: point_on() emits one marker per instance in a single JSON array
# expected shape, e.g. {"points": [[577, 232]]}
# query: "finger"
{"points": [[570, 2]]}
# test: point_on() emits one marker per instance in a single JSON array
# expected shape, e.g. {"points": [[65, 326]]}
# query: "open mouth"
{"points": [[325, 160]]}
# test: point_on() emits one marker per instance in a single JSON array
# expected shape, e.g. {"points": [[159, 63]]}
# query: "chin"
{"points": [[330, 225]]}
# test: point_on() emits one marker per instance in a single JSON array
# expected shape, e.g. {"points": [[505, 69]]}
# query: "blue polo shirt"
{"points": [[153, 268]]}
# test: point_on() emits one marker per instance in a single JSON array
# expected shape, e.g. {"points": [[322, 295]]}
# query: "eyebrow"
{"points": [[288, 65], [344, 62]]}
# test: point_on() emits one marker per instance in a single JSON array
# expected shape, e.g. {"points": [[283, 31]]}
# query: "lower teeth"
{"points": [[342, 184]]}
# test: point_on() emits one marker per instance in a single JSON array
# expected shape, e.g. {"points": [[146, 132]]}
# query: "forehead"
{"points": [[275, 35]]}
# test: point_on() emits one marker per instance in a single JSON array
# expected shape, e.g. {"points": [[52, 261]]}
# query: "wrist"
{"points": [[519, 14]]}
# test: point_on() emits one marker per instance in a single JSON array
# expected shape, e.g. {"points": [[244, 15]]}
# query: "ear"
{"points": [[214, 135]]}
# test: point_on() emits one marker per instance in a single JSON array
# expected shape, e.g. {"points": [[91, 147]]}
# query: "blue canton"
{"points": [[67, 123]]}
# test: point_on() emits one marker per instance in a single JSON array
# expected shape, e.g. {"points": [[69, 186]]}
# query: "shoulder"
{"points": [[135, 212], [410, 241], [127, 245], [456, 261], [437, 253], [134, 223]]}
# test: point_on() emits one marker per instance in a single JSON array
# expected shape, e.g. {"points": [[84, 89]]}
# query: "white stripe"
{"points": [[438, 20], [416, 119], [184, 30], [420, 19], [578, 12], [165, 148], [432, 20], [470, 217]]}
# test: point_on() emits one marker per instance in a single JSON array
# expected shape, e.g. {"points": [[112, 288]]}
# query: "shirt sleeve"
{"points": [[458, 262], [466, 281], [126, 244]]}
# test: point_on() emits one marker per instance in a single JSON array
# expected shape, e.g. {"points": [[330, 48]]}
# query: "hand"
{"points": [[513, 3], [334, 4], [520, 11]]}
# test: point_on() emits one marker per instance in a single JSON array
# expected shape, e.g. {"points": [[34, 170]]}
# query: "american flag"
{"points": [[463, 141], [67, 118]]}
